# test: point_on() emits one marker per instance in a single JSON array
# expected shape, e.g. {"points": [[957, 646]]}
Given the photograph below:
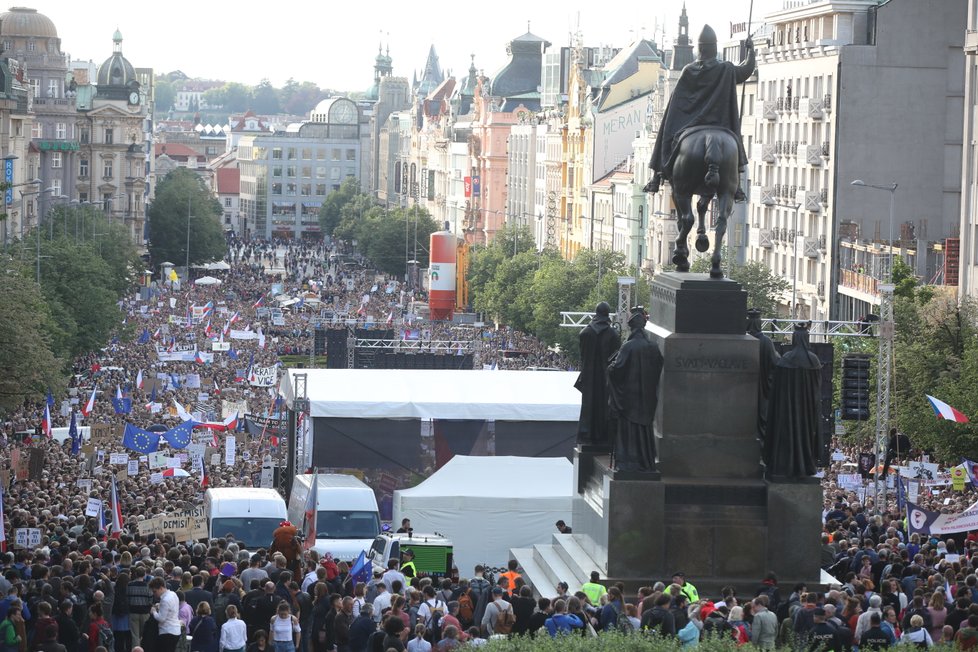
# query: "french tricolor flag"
{"points": [[90, 405], [945, 411]]}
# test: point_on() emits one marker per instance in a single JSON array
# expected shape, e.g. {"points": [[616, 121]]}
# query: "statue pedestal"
{"points": [[710, 513]]}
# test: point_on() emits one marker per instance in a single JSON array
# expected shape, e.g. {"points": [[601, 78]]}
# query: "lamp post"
{"points": [[794, 258], [32, 182], [884, 356]]}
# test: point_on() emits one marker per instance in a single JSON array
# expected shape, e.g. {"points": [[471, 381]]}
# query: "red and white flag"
{"points": [[390, 318], [46, 422], [90, 405], [116, 512], [204, 478], [260, 302], [945, 411], [310, 514], [139, 379]]}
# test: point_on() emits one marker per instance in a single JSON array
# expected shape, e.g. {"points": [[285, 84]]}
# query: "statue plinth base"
{"points": [[710, 514]]}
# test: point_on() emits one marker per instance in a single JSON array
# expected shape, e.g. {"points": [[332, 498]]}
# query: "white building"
{"points": [[968, 256], [854, 89]]}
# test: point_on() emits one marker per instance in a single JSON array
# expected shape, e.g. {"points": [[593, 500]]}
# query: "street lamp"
{"points": [[794, 258], [32, 182], [885, 353], [887, 276]]}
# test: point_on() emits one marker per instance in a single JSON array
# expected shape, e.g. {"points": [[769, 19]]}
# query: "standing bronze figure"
{"points": [[599, 341]]}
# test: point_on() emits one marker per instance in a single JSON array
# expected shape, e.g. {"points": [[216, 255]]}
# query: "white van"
{"points": [[347, 517], [249, 513]]}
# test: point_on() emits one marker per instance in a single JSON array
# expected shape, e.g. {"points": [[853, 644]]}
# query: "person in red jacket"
{"points": [[97, 622]]}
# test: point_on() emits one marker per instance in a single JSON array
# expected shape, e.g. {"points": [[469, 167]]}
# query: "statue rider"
{"points": [[704, 96]]}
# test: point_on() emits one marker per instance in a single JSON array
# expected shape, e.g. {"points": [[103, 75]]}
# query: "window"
{"points": [[109, 136], [306, 153], [290, 188], [53, 88], [35, 88], [320, 171], [56, 159], [31, 45], [83, 196], [320, 154], [290, 170], [61, 131], [306, 171], [37, 130], [6, 45], [277, 171], [83, 135], [277, 153], [290, 153], [211, 150], [107, 168], [56, 184], [18, 127], [336, 154], [351, 155], [107, 202], [276, 188], [227, 202], [83, 167], [334, 173], [320, 189], [305, 190]]}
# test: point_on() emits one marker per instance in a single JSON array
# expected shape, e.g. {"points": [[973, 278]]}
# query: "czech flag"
{"points": [[207, 329], [199, 359], [208, 307], [945, 411], [156, 334], [46, 422], [204, 478], [235, 317], [116, 512], [90, 405], [260, 302]]}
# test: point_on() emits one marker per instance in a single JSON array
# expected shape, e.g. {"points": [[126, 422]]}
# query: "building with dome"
{"points": [[286, 175], [112, 159], [51, 153]]}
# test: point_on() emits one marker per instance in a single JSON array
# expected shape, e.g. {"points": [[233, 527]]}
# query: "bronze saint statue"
{"points": [[599, 341], [633, 383], [769, 358], [791, 437]]}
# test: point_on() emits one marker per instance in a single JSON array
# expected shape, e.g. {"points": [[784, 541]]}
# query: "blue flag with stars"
{"points": [[143, 337], [139, 440], [179, 436], [74, 435]]}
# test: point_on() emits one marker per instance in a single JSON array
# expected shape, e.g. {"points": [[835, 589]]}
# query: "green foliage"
{"points": [[529, 290], [163, 95], [763, 286], [331, 212], [28, 365], [179, 191], [265, 98], [605, 642]]}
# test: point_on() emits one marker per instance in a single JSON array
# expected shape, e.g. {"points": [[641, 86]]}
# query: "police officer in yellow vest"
{"points": [[688, 589], [593, 589], [408, 568]]}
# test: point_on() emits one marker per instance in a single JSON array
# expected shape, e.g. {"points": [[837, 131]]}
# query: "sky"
{"points": [[334, 43]]}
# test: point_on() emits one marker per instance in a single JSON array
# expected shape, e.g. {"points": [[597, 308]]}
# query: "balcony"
{"points": [[824, 196], [795, 102], [813, 155], [813, 201], [780, 104], [861, 282], [812, 107], [765, 238], [767, 196], [794, 148], [821, 289], [763, 152], [825, 149], [769, 110], [779, 148], [822, 241], [827, 102]]}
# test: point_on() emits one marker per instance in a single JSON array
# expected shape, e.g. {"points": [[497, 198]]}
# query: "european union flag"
{"points": [[139, 440], [179, 436], [361, 570], [143, 337], [232, 353], [122, 405], [50, 398], [73, 434]]}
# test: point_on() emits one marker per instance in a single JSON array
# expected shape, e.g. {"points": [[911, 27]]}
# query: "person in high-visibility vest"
{"points": [[511, 575], [593, 589], [408, 569], [687, 588]]}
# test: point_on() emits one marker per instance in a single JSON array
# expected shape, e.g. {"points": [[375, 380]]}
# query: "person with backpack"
{"points": [[479, 590], [499, 617], [917, 634], [466, 605], [203, 630], [430, 613], [738, 626], [99, 630], [12, 630], [613, 611]]}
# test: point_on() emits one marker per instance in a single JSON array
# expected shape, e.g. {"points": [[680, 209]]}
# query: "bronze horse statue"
{"points": [[706, 165]]}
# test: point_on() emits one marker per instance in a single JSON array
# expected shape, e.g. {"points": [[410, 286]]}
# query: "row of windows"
{"points": [[333, 173], [303, 189], [66, 131], [307, 153]]}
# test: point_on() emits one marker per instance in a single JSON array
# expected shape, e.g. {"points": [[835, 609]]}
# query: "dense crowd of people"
{"points": [[91, 588]]}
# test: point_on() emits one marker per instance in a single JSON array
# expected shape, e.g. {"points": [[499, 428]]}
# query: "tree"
{"points": [[181, 191], [331, 212], [27, 365], [163, 95], [763, 287], [237, 97], [265, 98]]}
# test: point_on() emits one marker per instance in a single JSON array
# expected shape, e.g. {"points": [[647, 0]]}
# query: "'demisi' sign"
{"points": [[187, 525]]}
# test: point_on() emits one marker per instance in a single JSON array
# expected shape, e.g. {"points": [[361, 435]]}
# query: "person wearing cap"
{"points": [[494, 609], [687, 588], [408, 569], [823, 636], [593, 589]]}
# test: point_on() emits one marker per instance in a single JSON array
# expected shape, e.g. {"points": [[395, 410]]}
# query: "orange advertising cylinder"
{"points": [[441, 276]]}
